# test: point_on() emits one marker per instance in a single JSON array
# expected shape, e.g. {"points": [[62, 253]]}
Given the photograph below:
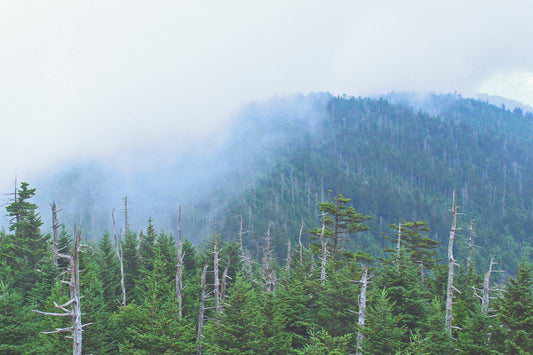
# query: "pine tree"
{"points": [[382, 331], [516, 313], [240, 327], [341, 220]]}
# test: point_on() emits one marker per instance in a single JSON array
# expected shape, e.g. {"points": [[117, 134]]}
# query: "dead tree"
{"points": [[118, 250], [179, 268], [245, 257], [223, 288], [485, 297], [300, 242], [324, 252], [470, 246], [451, 264], [201, 312], [289, 251], [55, 232], [399, 243], [126, 210], [76, 329], [362, 308], [216, 260], [268, 272]]}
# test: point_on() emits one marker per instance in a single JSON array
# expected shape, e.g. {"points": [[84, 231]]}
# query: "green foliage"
{"points": [[240, 328], [382, 331], [516, 313]]}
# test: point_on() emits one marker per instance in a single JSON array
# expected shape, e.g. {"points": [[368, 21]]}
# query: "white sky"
{"points": [[92, 79]]}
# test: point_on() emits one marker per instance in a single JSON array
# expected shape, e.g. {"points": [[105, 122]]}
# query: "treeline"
{"points": [[153, 293]]}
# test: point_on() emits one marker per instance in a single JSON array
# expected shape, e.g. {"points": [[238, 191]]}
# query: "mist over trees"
{"points": [[321, 225]]}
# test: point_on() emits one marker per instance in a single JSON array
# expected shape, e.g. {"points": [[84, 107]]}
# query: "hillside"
{"points": [[396, 159], [399, 164]]}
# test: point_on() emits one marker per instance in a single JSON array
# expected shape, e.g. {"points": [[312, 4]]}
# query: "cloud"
{"points": [[92, 80]]}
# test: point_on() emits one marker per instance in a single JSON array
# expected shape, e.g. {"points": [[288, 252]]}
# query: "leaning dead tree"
{"points": [[485, 296], [451, 265], [362, 308], [118, 250], [179, 268], [74, 312]]}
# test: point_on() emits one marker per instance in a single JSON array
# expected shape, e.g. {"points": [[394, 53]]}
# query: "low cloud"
{"points": [[104, 80]]}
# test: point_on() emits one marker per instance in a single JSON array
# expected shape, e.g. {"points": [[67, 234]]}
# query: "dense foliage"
{"points": [[302, 314]]}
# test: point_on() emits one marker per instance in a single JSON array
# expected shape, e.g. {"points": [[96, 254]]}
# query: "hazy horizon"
{"points": [[122, 82]]}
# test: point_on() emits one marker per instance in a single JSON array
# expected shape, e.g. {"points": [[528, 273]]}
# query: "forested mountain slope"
{"points": [[398, 158], [399, 164]]}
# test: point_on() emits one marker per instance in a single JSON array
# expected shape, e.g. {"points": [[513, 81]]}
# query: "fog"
{"points": [[131, 84]]}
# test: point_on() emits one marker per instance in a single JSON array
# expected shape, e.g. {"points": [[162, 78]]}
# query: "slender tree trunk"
{"points": [[179, 268], [324, 252], [451, 264], [216, 261], [55, 232], [223, 288], [77, 326], [201, 313], [399, 243], [362, 309], [289, 251], [118, 249], [74, 312], [486, 289], [470, 246], [300, 242], [270, 277]]}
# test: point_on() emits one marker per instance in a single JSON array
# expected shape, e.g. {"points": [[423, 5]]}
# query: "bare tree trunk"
{"points": [[215, 271], [118, 249], [324, 252], [179, 267], [300, 242], [289, 251], [240, 236], [451, 264], [470, 246], [201, 313], [55, 232], [224, 287], [269, 274], [126, 222], [75, 305], [362, 309], [399, 244]]}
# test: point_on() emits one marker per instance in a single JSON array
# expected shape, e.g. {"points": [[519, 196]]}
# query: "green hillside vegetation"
{"points": [[310, 303], [397, 164]]}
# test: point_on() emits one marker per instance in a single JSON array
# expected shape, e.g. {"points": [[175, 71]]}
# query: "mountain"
{"points": [[397, 158]]}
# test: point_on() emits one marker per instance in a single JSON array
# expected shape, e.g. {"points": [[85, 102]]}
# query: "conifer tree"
{"points": [[516, 313]]}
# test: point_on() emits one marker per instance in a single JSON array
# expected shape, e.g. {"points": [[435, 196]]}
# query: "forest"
{"points": [[326, 225], [148, 292]]}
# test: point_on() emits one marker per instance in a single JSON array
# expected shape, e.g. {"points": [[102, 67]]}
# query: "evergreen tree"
{"points": [[130, 256], [109, 273], [516, 313], [382, 331], [341, 220], [240, 329]]}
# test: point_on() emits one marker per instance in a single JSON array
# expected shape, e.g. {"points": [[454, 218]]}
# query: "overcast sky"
{"points": [[92, 79]]}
